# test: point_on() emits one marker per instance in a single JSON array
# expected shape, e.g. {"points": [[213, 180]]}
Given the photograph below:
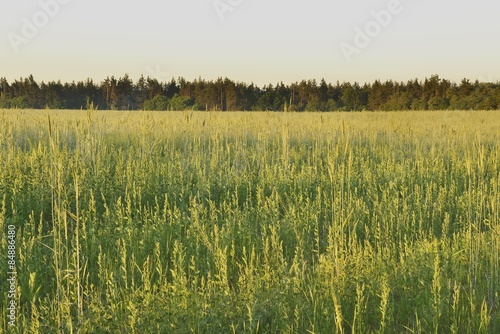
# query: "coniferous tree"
{"points": [[224, 94], [124, 96]]}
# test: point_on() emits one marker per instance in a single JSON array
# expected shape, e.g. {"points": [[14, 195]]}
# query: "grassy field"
{"points": [[180, 222]]}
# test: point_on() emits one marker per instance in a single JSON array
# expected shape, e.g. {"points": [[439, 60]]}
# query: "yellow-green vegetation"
{"points": [[141, 222]]}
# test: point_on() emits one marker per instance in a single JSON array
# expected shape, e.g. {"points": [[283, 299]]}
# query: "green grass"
{"points": [[142, 222]]}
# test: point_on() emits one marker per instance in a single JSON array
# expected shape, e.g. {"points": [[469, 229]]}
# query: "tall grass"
{"points": [[214, 222]]}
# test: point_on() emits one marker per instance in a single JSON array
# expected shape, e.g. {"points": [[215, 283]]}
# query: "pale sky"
{"points": [[260, 41]]}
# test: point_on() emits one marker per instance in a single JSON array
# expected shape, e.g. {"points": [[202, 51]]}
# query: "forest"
{"points": [[223, 94]]}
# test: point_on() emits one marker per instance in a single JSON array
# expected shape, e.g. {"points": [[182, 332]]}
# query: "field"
{"points": [[211, 222]]}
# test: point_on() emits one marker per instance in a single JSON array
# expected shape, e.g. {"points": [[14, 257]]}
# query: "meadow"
{"points": [[219, 222]]}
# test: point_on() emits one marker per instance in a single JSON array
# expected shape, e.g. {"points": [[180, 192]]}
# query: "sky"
{"points": [[259, 41]]}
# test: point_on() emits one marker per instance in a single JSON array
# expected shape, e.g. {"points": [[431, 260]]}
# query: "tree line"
{"points": [[148, 93]]}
